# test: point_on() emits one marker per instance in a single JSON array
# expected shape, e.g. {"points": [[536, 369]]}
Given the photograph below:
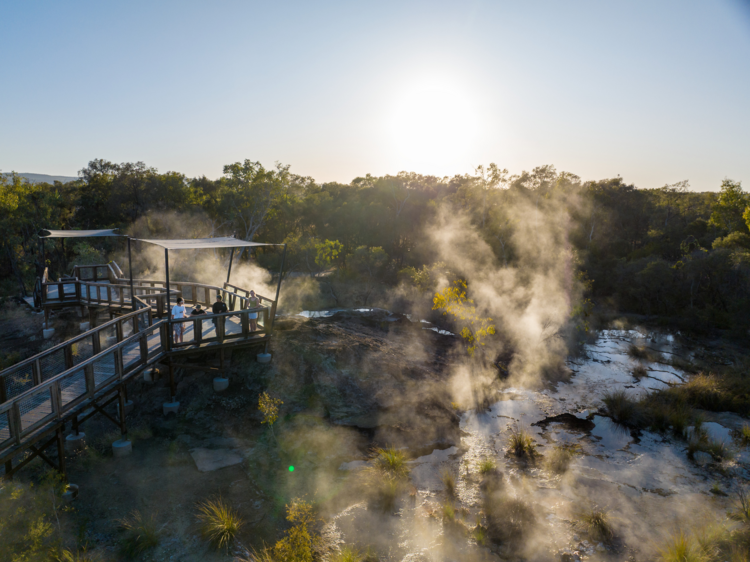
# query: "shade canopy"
{"points": [[46, 233], [202, 243]]}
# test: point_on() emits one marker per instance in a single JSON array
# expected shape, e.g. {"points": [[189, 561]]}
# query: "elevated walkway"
{"points": [[81, 376]]}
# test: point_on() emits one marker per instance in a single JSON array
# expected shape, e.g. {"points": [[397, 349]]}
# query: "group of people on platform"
{"points": [[179, 312]]}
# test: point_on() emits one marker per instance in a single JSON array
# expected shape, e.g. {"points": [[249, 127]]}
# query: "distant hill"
{"points": [[42, 178]]}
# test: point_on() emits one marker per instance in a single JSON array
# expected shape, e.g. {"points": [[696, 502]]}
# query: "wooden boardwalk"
{"points": [[40, 394]]}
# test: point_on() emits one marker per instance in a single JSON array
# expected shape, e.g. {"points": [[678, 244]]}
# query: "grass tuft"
{"points": [[391, 461], [347, 554], [449, 481], [597, 525], [681, 548], [745, 434], [486, 465], [620, 406], [140, 534], [637, 352], [561, 457], [521, 444], [219, 522], [639, 372]]}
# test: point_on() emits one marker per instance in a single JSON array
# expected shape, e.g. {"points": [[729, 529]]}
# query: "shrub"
{"points": [[140, 534], [521, 444], [639, 372], [299, 542], [219, 522]]}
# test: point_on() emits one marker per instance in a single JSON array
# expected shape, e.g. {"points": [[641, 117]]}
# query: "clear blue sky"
{"points": [[656, 91]]}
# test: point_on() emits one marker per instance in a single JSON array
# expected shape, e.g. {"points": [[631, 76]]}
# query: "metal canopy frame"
{"points": [[204, 244], [89, 234]]}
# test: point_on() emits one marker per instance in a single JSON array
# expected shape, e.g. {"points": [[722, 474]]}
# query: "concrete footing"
{"points": [[122, 448], [128, 407], [71, 493], [171, 407], [48, 333], [220, 384], [75, 442], [264, 358], [84, 326]]}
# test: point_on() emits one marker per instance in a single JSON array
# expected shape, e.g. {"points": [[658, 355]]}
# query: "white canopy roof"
{"points": [[201, 243], [77, 233]]}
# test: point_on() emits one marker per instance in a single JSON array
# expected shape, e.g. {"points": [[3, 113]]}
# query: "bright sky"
{"points": [[656, 91]]}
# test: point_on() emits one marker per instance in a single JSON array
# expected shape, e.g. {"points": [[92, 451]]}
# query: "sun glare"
{"points": [[433, 129]]}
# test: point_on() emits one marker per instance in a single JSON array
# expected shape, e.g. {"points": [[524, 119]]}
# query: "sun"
{"points": [[433, 128]]}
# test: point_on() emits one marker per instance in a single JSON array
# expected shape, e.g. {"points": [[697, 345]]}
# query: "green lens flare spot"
{"points": [[291, 469]]}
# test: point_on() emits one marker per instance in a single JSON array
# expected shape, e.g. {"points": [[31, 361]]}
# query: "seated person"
{"points": [[197, 310]]}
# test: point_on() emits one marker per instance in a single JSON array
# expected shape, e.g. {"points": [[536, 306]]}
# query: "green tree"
{"points": [[729, 208], [453, 300]]}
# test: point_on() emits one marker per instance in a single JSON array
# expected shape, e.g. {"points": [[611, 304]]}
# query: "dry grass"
{"points": [[140, 534], [219, 523]]}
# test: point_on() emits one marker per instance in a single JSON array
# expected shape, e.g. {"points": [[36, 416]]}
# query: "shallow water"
{"points": [[643, 480]]}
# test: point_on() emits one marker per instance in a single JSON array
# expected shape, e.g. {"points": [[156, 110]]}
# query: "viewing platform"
{"points": [[128, 330]]}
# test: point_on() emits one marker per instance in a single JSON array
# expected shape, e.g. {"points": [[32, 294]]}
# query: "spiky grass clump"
{"points": [[78, 556], [140, 534], [620, 406], [637, 352], [560, 458], [681, 548], [348, 554], [741, 511], [597, 525], [639, 372], [449, 481], [745, 434], [487, 465], [391, 461], [521, 444], [219, 522]]}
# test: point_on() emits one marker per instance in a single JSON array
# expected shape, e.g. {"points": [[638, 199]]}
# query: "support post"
{"points": [[123, 427], [229, 271], [278, 287], [130, 274], [169, 315], [60, 451], [172, 390]]}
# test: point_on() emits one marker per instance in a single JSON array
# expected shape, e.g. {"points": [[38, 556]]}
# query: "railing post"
{"points": [[36, 373], [88, 372], [245, 319], [3, 391], [68, 352], [14, 422], [144, 349]]}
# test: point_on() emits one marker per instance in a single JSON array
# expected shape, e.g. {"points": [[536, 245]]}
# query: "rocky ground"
{"points": [[348, 383]]}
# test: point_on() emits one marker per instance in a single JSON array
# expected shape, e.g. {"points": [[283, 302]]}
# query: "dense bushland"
{"points": [[667, 252]]}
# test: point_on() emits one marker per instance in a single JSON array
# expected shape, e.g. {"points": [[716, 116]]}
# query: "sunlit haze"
{"points": [[654, 92]]}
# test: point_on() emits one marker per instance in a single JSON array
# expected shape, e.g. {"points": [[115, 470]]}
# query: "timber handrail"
{"points": [[33, 365], [221, 334], [55, 402]]}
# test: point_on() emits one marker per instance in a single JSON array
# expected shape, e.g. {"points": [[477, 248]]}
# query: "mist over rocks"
{"points": [[357, 370]]}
